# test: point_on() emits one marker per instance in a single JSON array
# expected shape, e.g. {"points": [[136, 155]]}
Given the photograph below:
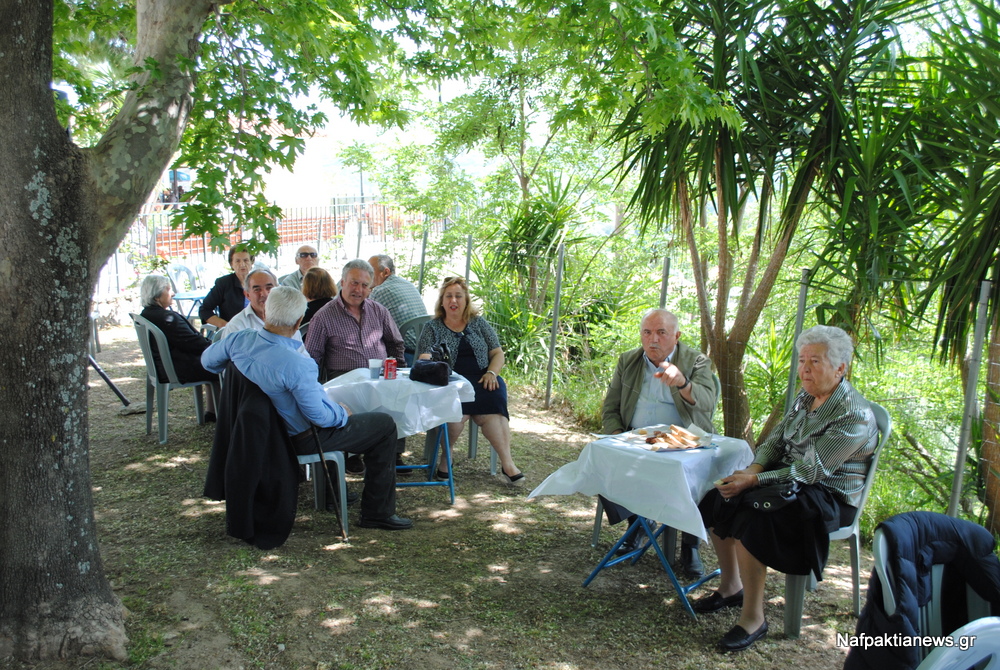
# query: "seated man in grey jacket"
{"points": [[661, 382]]}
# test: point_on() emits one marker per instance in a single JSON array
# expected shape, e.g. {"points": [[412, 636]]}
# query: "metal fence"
{"points": [[345, 229]]}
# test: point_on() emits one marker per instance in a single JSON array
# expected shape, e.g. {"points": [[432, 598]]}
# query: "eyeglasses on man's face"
{"points": [[308, 254]]}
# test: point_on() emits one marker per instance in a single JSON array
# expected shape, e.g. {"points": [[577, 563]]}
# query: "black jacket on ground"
{"points": [[916, 542], [253, 466]]}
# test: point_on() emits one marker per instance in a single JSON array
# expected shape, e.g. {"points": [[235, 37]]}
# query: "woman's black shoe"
{"points": [[716, 602], [737, 639]]}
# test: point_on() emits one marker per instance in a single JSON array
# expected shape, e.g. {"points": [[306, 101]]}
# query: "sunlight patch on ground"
{"points": [[336, 547], [368, 560], [262, 577], [339, 625], [197, 507]]}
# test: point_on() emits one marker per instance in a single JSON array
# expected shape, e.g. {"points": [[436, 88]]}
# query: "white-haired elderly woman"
{"points": [[185, 343], [825, 444]]}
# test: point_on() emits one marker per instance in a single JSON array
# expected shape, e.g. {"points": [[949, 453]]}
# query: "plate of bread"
{"points": [[669, 438]]}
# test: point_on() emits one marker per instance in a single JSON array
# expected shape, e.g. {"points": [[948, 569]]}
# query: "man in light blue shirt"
{"points": [[270, 359]]}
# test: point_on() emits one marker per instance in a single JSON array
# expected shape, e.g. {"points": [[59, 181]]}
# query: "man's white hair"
{"points": [[284, 307]]}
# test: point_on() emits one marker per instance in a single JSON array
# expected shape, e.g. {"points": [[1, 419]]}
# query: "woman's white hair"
{"points": [[839, 347], [284, 307], [151, 288]]}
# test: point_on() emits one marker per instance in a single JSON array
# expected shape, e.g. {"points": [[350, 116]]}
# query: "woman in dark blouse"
{"points": [[475, 353], [183, 340], [226, 299], [319, 289]]}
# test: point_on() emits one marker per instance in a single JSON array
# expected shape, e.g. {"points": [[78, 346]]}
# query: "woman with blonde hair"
{"points": [[474, 352]]}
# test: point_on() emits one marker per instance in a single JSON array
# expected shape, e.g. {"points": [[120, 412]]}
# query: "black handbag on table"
{"points": [[430, 372]]}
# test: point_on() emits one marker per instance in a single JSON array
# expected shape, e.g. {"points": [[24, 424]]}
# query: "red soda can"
{"points": [[390, 368]]}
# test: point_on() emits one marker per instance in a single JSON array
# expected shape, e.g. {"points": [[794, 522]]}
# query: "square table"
{"points": [[415, 406], [665, 486]]}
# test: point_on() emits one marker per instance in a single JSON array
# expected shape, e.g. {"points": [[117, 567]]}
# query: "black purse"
{"points": [[430, 372], [771, 498]]}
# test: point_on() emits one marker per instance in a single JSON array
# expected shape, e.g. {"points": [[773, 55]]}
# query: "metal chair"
{"points": [[160, 391], [796, 585]]}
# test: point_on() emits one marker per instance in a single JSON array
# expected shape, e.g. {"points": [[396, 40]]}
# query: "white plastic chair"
{"points": [[796, 585], [315, 472], [929, 619], [160, 391], [984, 654]]}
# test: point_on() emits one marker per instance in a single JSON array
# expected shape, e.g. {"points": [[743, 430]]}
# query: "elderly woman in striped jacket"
{"points": [[824, 445]]}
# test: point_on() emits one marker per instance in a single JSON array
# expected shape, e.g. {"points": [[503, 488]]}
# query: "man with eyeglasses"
{"points": [[256, 288], [306, 257]]}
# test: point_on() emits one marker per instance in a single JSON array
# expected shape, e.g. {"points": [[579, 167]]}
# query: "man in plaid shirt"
{"points": [[399, 296]]}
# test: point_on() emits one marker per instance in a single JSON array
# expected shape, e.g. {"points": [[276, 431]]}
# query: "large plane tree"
{"points": [[230, 72]]}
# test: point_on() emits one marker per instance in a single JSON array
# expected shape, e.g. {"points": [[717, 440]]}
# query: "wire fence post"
{"points": [[664, 281], [555, 325], [800, 316], [971, 410], [468, 257], [423, 256]]}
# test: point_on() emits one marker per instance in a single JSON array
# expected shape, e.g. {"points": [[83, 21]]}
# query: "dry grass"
{"points": [[491, 582]]}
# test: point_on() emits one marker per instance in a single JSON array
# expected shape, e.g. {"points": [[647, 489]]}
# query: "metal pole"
{"points": [[468, 257], [971, 401], [555, 325], [800, 316], [663, 281], [423, 256]]}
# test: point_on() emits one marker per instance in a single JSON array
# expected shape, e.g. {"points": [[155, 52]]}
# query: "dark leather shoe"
{"points": [[631, 543], [389, 523], [400, 463], [209, 417], [737, 639], [354, 465], [716, 602], [690, 565]]}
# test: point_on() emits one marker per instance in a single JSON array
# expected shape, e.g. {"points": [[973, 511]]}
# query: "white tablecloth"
{"points": [[665, 486], [416, 406]]}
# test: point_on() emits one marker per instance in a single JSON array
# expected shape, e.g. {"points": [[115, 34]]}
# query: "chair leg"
{"points": [[855, 543], [338, 459], [150, 399], [598, 518], [795, 596], [474, 446], [162, 399], [199, 403]]}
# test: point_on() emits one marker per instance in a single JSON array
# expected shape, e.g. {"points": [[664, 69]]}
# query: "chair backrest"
{"points": [[181, 277], [930, 616], [145, 330], [884, 423], [303, 329], [976, 642], [415, 324]]}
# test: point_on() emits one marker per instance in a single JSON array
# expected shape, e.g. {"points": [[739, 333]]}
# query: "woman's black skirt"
{"points": [[794, 539]]}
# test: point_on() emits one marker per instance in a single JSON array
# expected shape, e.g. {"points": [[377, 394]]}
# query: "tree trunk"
{"points": [[991, 431], [63, 211]]}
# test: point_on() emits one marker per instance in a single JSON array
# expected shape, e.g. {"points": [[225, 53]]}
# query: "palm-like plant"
{"points": [[797, 74]]}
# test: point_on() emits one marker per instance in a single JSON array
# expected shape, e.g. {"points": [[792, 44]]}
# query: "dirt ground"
{"points": [[493, 581]]}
